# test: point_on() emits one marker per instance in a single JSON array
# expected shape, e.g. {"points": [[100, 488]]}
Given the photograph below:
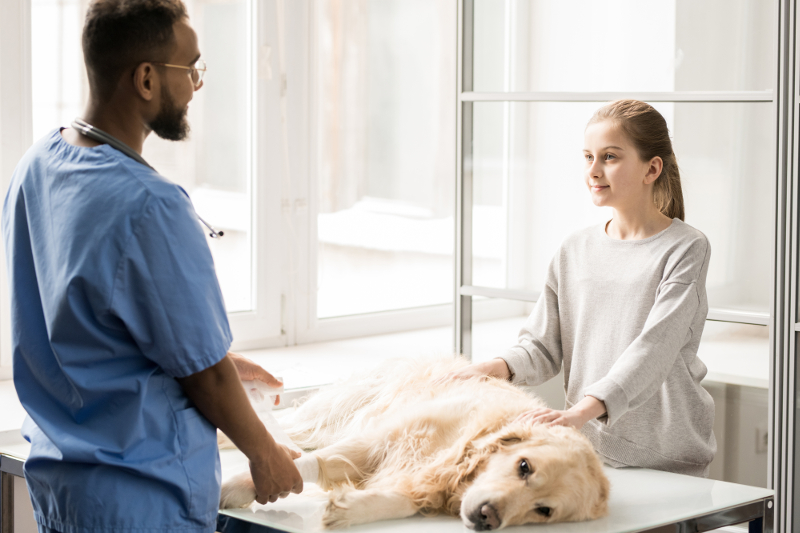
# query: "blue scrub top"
{"points": [[113, 296]]}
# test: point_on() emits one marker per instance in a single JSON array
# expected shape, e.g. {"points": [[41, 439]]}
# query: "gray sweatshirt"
{"points": [[624, 319]]}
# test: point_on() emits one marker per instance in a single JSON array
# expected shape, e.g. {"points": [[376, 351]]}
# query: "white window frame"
{"points": [[16, 130], [262, 327]]}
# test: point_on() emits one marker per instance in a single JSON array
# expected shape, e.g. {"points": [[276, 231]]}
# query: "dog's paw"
{"points": [[238, 492], [339, 511]]}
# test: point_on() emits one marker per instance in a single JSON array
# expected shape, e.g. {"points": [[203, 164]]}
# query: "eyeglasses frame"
{"points": [[200, 71]]}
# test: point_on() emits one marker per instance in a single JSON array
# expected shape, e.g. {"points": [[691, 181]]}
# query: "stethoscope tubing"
{"points": [[100, 136]]}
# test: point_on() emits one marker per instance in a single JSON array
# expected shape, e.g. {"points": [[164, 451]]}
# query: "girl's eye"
{"points": [[589, 158], [610, 156], [524, 468]]}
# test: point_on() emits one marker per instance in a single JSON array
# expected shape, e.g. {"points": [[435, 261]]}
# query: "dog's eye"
{"points": [[524, 468], [544, 511]]}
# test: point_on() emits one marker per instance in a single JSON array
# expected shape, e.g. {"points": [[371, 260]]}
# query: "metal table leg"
{"points": [[764, 524], [6, 502]]}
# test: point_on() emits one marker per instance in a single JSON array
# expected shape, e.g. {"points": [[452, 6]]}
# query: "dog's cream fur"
{"points": [[395, 442]]}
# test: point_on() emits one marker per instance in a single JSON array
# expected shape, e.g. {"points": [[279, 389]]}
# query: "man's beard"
{"points": [[170, 123]]}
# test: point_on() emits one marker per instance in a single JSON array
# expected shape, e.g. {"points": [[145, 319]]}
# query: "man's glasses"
{"points": [[196, 71]]}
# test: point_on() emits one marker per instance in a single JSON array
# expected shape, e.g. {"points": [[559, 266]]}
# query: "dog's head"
{"points": [[535, 474]]}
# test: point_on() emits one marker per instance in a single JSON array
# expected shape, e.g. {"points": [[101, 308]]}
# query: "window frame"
{"points": [[16, 131]]}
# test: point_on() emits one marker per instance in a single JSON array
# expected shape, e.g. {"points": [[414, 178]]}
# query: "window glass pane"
{"points": [[737, 357], [386, 115], [624, 45], [213, 164], [529, 191]]}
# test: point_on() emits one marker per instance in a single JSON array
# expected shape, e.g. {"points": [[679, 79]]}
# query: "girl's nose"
{"points": [[594, 169]]}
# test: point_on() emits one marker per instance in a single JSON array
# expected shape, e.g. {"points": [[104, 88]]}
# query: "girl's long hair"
{"points": [[647, 130]]}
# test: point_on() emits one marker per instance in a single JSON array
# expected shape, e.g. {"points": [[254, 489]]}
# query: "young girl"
{"points": [[623, 308]]}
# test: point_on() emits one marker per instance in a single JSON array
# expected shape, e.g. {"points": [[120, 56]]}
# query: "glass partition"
{"points": [[529, 191], [621, 45]]}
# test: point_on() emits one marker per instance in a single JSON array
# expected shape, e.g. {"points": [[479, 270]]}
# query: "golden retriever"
{"points": [[399, 440]]}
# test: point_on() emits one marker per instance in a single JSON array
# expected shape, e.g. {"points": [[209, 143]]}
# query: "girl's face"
{"points": [[614, 173]]}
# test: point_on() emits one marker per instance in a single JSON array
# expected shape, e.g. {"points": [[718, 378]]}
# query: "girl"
{"points": [[623, 308]]}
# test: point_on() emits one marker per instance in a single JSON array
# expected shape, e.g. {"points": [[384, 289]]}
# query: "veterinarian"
{"points": [[120, 336], [623, 308]]}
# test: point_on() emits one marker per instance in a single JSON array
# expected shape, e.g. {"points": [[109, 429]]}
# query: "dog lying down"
{"points": [[395, 442]]}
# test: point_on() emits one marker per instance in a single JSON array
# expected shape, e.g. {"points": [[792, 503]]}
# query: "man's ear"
{"points": [[655, 166], [145, 81]]}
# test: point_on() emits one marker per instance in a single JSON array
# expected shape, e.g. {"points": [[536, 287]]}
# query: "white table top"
{"points": [[640, 499]]}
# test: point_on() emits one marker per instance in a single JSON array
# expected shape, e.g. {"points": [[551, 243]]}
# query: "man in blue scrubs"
{"points": [[120, 336]]}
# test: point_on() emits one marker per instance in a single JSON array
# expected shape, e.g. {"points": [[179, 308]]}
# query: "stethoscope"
{"points": [[102, 137]]}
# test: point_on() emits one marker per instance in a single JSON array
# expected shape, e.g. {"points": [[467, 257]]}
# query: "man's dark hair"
{"points": [[121, 34]]}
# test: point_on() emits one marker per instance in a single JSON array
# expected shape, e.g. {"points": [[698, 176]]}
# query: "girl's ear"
{"points": [[655, 166]]}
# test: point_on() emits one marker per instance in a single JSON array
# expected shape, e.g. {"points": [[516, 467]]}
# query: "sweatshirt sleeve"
{"points": [[537, 356], [645, 364]]}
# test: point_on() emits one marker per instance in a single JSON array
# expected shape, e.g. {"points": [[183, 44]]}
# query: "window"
{"points": [[322, 145], [215, 165], [386, 155]]}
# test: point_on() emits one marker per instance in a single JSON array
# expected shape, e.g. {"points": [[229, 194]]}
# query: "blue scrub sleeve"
{"points": [[166, 290]]}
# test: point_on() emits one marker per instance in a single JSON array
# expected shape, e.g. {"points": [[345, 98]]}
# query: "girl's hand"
{"points": [[585, 410], [496, 368], [553, 417]]}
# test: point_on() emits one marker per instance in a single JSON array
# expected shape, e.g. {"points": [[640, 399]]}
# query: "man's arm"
{"points": [[218, 393]]}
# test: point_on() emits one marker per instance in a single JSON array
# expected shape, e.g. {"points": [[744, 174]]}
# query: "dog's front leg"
{"points": [[348, 506], [350, 461]]}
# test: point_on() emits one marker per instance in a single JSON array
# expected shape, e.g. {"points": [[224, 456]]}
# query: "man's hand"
{"points": [[217, 392], [495, 368], [583, 411], [250, 371], [275, 474]]}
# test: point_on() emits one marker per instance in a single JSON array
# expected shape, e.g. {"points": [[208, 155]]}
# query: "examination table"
{"points": [[641, 500]]}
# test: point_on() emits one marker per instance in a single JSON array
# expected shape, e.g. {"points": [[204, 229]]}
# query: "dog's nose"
{"points": [[489, 517]]}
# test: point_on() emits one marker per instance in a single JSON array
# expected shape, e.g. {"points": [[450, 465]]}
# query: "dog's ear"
{"points": [[512, 434], [600, 507], [442, 482]]}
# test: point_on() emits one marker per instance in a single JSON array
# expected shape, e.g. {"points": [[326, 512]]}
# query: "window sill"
{"points": [[13, 414], [734, 354]]}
